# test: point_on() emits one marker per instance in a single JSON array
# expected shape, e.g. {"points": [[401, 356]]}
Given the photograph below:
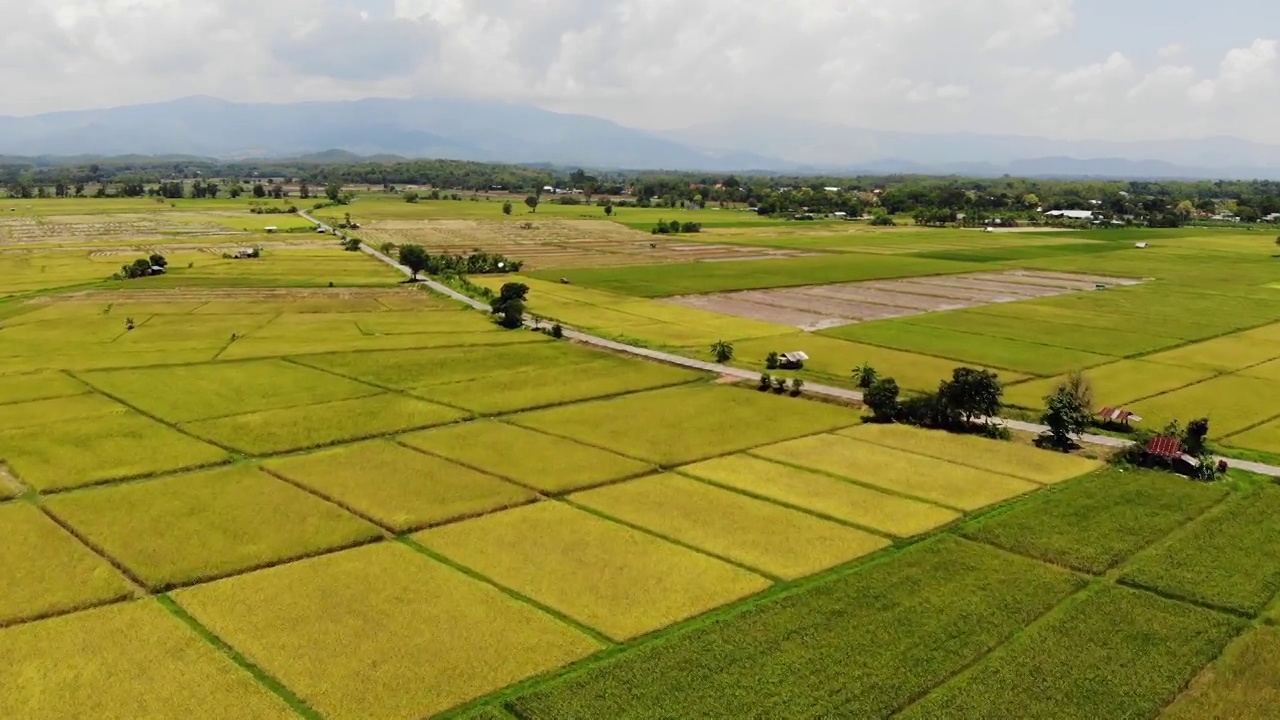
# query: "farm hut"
{"points": [[792, 360], [1142, 246], [271, 229], [1119, 416]]}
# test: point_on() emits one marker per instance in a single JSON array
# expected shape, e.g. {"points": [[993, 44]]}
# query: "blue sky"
{"points": [[1119, 69]]}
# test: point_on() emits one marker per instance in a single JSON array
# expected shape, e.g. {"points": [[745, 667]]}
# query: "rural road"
{"points": [[823, 390]]}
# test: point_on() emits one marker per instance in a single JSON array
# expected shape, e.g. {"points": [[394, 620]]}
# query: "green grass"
{"points": [[1229, 559], [1117, 654], [694, 278], [1118, 343], [686, 424], [1241, 685], [311, 426], [987, 255], [533, 459], [860, 645], [188, 528], [38, 386], [964, 347], [1095, 523]]}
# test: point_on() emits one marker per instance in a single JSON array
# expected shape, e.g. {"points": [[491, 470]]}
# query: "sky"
{"points": [[1072, 69]]}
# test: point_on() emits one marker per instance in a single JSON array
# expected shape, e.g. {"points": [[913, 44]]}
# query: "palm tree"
{"points": [[722, 351]]}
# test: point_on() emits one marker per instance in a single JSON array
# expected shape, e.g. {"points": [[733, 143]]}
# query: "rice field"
{"points": [[1114, 385], [621, 582], [346, 632], [903, 473], [1232, 403], [1238, 686], [399, 489], [762, 536], [190, 528]]}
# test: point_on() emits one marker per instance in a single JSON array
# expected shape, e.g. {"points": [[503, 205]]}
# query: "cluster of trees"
{"points": [[969, 395], [143, 267], [675, 227], [418, 260]]}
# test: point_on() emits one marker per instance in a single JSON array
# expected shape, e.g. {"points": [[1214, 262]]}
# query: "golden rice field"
{"points": [[239, 487]]}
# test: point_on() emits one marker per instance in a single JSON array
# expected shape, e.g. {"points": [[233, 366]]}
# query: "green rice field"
{"points": [[296, 487]]}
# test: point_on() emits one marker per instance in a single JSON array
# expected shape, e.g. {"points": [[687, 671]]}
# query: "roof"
{"points": [[1074, 214], [1165, 447], [1118, 415], [794, 356]]}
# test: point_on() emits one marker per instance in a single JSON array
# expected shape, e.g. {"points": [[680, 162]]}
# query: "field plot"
{"points": [[682, 425], [306, 268], [246, 348], [26, 272], [1096, 523], [781, 542], [400, 489], [1119, 653], [54, 411], [1113, 385], [954, 486], [188, 528], [1021, 461], [1226, 354], [1016, 355], [823, 494], [1265, 437], [1241, 685], [620, 581], [222, 389], [1228, 559], [311, 426], [38, 386], [900, 627], [1103, 342], [532, 459], [1231, 402], [818, 307], [107, 447], [346, 632], [1107, 313], [830, 358], [47, 571], [124, 662]]}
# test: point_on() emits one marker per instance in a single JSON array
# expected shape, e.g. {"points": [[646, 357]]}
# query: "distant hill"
{"points": [[387, 130]]}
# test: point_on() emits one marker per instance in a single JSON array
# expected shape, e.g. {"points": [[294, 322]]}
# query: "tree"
{"points": [[1195, 436], [772, 361], [1278, 242], [415, 258], [866, 376], [882, 399], [510, 304], [1066, 414], [235, 191], [506, 208], [157, 260], [411, 197], [797, 386], [304, 191], [971, 394], [333, 191], [532, 202], [722, 351], [259, 191], [608, 211]]}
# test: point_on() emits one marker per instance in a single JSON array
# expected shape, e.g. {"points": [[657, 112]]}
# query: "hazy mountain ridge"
{"points": [[504, 132]]}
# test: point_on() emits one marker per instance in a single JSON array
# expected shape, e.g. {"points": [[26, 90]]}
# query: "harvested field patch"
{"points": [[47, 571], [907, 473], [309, 426], [781, 542], [222, 389], [107, 447], [124, 662], [1006, 458], [38, 386], [620, 581], [401, 489], [1114, 385], [1225, 354], [833, 358], [1240, 685], [346, 632], [550, 464], [1228, 559], [511, 392], [1150, 647], [1096, 523], [1017, 355], [686, 424], [823, 494], [189, 528], [901, 627], [1231, 402]]}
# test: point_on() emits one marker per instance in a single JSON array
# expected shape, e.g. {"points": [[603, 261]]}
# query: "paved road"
{"points": [[824, 390]]}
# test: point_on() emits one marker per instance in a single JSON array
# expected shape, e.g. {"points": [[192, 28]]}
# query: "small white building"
{"points": [[1071, 214]]}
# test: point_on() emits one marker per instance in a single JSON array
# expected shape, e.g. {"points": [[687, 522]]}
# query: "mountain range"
{"points": [[492, 131]]}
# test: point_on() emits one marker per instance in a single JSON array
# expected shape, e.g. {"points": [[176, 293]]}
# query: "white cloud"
{"points": [[1013, 66]]}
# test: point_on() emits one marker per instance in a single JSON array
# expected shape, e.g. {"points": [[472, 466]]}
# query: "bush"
{"points": [[771, 361], [882, 220], [510, 305], [779, 385], [865, 376], [557, 331], [882, 399], [411, 197], [351, 244], [766, 382], [1196, 435], [797, 385]]}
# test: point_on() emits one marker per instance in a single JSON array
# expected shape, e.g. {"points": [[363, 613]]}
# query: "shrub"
{"points": [[797, 385], [721, 351], [411, 197], [557, 331], [882, 399], [882, 220], [766, 381], [771, 361], [866, 376], [779, 385], [1196, 435], [351, 244]]}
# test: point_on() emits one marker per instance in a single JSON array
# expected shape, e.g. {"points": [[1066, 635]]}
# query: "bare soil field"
{"points": [[26, 230], [818, 307], [554, 243]]}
